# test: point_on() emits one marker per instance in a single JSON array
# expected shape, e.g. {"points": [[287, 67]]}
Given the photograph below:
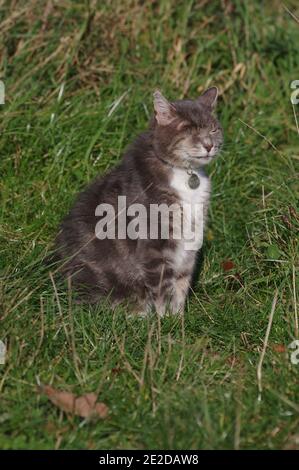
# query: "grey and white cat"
{"points": [[164, 165]]}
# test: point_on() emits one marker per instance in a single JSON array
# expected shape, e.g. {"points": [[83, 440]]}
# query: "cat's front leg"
{"points": [[159, 281], [171, 293], [167, 289], [180, 292]]}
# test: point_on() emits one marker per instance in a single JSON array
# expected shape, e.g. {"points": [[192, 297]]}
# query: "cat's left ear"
{"points": [[209, 97], [164, 111]]}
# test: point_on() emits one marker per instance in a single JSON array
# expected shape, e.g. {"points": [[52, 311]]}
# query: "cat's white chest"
{"points": [[194, 203], [180, 183]]}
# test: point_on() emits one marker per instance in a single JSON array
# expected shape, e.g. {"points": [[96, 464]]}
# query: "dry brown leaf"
{"points": [[279, 348], [228, 265], [85, 406]]}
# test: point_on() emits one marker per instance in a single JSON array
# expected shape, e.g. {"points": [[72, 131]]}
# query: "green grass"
{"points": [[184, 382]]}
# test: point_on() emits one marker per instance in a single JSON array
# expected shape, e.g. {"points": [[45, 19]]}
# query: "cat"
{"points": [[164, 165]]}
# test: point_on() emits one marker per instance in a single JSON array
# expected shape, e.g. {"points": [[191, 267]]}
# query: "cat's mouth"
{"points": [[201, 157]]}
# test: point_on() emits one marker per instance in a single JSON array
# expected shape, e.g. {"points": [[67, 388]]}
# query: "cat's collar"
{"points": [[193, 177], [189, 169]]}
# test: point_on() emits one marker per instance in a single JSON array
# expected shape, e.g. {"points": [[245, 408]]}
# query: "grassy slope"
{"points": [[183, 383]]}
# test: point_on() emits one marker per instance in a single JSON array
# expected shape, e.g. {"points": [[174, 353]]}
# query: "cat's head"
{"points": [[186, 132]]}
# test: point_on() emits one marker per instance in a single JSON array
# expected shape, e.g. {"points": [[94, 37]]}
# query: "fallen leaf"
{"points": [[228, 265], [280, 348], [85, 406]]}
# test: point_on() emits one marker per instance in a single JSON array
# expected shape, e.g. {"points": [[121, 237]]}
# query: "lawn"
{"points": [[79, 78]]}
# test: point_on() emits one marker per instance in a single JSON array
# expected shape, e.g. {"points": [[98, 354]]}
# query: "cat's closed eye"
{"points": [[214, 130]]}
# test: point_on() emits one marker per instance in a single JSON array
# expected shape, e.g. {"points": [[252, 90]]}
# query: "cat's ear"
{"points": [[164, 111], [209, 97]]}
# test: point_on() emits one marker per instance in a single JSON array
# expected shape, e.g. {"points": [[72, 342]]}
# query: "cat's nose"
{"points": [[208, 147]]}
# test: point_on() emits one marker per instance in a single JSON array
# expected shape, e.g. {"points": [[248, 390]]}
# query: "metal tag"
{"points": [[193, 181]]}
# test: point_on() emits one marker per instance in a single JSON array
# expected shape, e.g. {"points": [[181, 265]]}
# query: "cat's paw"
{"points": [[140, 312]]}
